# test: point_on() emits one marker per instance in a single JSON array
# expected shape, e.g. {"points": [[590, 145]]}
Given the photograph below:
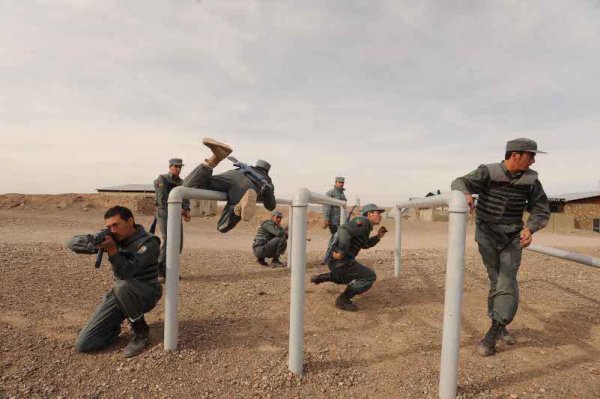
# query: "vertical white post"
{"points": [[343, 215], [172, 276], [454, 295], [290, 235], [296, 345], [398, 247]]}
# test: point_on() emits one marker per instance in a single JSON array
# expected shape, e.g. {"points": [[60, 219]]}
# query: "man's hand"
{"points": [[337, 256], [186, 215], [381, 232], [109, 245], [526, 237], [325, 224], [470, 201]]}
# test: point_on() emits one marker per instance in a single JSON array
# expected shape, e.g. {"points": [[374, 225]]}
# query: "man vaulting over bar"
{"points": [[243, 186]]}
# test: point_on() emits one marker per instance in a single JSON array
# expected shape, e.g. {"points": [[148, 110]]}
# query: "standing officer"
{"points": [[133, 255], [243, 188], [331, 213], [162, 187], [344, 269], [505, 190], [270, 240]]}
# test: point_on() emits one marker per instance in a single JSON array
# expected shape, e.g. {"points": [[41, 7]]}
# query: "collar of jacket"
{"points": [[508, 174], [340, 189], [139, 231]]}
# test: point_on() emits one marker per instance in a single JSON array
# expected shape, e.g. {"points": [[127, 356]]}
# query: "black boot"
{"points": [[487, 346], [344, 302], [320, 278], [262, 262], [277, 263], [141, 338]]}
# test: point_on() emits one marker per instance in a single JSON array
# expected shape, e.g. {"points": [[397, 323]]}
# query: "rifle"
{"points": [[253, 174], [335, 240], [99, 238], [153, 226]]}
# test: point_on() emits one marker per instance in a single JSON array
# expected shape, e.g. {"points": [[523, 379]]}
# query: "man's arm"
{"points": [[539, 208], [473, 182], [268, 198], [344, 239], [126, 264], [327, 210], [160, 191]]}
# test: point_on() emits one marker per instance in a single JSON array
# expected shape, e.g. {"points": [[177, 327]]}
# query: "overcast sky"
{"points": [[400, 97]]}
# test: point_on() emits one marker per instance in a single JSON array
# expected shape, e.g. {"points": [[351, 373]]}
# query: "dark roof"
{"points": [[128, 188], [575, 196]]}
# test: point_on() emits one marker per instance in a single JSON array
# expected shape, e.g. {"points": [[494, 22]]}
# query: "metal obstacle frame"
{"points": [[176, 197]]}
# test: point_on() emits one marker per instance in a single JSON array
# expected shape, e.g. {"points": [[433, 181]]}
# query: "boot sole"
{"points": [[221, 150]]}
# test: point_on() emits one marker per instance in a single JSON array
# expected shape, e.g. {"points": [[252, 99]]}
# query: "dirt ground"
{"points": [[234, 320]]}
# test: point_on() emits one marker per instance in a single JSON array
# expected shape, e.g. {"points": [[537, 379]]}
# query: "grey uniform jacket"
{"points": [[503, 197], [267, 231], [332, 213], [163, 186], [354, 236], [137, 257]]}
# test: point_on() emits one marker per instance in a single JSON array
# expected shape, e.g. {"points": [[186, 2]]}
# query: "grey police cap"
{"points": [[340, 179], [523, 144], [277, 213], [176, 161], [263, 164], [370, 208]]}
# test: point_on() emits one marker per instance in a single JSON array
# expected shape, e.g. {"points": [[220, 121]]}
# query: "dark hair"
{"points": [[507, 154], [124, 213]]}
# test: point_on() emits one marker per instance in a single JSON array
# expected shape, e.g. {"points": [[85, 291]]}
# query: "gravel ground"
{"points": [[234, 326]]}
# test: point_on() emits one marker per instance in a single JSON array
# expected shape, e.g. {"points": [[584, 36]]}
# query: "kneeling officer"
{"points": [[344, 269], [270, 240], [133, 255]]}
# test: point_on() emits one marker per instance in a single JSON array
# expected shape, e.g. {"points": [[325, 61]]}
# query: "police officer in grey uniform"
{"points": [[506, 190], [344, 269], [162, 187], [270, 240], [332, 213], [243, 189], [133, 255]]}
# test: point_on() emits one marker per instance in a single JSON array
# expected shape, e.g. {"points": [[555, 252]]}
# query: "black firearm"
{"points": [[265, 184], [98, 239], [335, 240]]}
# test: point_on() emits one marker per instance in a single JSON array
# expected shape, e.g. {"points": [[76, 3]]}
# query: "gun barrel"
{"points": [[99, 257]]}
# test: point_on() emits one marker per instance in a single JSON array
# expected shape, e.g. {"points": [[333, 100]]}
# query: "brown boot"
{"points": [[247, 205], [220, 151]]}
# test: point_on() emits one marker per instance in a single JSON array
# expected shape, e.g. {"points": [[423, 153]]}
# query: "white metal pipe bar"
{"points": [[318, 198], [427, 202], [172, 275], [297, 295], [298, 266], [560, 253], [398, 245], [176, 197], [343, 215], [455, 267]]}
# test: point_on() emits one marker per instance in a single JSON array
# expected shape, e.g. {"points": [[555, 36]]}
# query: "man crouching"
{"points": [[133, 255], [344, 269]]}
